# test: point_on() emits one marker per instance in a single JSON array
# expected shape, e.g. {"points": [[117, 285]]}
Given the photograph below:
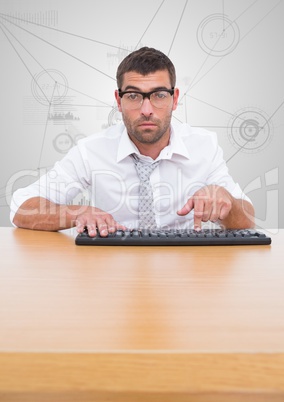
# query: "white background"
{"points": [[57, 75]]}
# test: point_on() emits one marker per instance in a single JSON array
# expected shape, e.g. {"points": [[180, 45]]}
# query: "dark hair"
{"points": [[145, 61]]}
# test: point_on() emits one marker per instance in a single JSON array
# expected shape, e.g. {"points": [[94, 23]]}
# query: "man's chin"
{"points": [[148, 130], [147, 137]]}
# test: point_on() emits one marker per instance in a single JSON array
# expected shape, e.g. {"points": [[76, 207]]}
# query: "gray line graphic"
{"points": [[204, 62], [50, 87], [217, 35], [61, 50], [114, 116], [250, 131], [270, 11], [16, 51], [176, 31], [63, 142], [209, 104], [47, 18], [194, 83], [276, 111], [59, 30], [148, 26], [45, 130], [119, 55], [47, 72]]}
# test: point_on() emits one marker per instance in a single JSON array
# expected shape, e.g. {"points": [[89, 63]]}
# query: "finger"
{"points": [[207, 211], [120, 227], [225, 209], [80, 225], [186, 208], [113, 226], [106, 228], [106, 224], [92, 229], [102, 227], [198, 213], [215, 214]]}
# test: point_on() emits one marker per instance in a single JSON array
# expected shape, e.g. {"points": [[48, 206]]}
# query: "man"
{"points": [[188, 181]]}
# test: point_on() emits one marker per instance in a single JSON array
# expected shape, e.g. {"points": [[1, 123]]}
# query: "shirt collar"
{"points": [[126, 147], [176, 146]]}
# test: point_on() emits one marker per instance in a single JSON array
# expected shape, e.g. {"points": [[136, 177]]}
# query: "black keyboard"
{"points": [[212, 237]]}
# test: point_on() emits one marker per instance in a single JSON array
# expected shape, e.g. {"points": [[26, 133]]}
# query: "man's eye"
{"points": [[133, 97], [160, 95]]}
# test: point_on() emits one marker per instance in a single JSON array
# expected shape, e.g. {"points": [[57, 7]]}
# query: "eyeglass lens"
{"points": [[158, 99]]}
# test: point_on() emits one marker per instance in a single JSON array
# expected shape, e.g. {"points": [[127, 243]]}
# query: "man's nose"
{"points": [[146, 107]]}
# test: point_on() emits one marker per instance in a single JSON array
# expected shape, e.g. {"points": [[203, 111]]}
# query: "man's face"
{"points": [[147, 124]]}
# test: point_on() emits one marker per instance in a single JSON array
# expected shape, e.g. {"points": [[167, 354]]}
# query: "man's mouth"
{"points": [[147, 124]]}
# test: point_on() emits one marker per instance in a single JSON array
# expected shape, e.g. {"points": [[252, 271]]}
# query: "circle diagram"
{"points": [[63, 142], [217, 35], [250, 130], [114, 116], [78, 137], [49, 87]]}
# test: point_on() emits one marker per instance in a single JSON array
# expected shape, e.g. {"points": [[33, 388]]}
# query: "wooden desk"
{"points": [[144, 324]]}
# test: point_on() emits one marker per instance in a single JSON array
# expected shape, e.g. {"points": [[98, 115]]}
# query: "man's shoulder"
{"points": [[109, 133], [185, 130]]}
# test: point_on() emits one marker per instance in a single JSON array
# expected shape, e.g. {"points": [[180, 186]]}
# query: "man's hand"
{"points": [[96, 220], [214, 203], [41, 214]]}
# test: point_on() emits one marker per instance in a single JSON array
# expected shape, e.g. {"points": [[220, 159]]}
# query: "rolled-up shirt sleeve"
{"points": [[61, 184], [219, 173]]}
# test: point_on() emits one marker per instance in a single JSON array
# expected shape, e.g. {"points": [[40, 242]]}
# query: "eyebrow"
{"points": [[132, 87]]}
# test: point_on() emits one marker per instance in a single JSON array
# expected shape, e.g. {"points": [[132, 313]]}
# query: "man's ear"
{"points": [[175, 95], [118, 100]]}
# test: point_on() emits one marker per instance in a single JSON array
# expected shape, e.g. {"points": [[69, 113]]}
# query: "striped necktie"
{"points": [[145, 204]]}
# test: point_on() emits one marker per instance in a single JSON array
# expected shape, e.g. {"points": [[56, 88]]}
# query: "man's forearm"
{"points": [[241, 215], [40, 214]]}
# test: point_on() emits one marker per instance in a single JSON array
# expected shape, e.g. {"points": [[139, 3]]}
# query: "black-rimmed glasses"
{"points": [[159, 98]]}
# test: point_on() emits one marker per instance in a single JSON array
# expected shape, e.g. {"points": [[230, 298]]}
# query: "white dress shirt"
{"points": [[101, 164]]}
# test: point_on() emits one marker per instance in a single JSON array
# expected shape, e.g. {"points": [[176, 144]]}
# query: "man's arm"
{"points": [[214, 203], [40, 214]]}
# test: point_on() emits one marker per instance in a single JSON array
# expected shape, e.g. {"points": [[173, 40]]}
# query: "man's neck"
{"points": [[153, 150]]}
